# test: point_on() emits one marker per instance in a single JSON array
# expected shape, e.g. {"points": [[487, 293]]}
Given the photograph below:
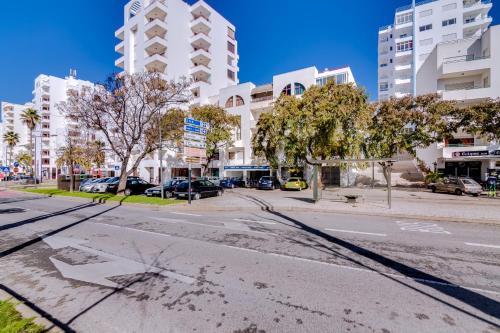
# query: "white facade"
{"points": [[405, 47], [54, 127], [10, 120], [179, 40], [249, 101]]}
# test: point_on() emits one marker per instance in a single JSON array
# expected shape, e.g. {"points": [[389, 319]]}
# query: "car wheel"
{"points": [[128, 192], [197, 196], [168, 195], [219, 193], [458, 191], [433, 189], [232, 186], [475, 194]]}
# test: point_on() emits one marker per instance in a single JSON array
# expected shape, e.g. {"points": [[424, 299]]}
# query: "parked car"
{"points": [[102, 185], [457, 186], [295, 183], [232, 182], [86, 185], [27, 180], [199, 189], [135, 185], [168, 189], [212, 179], [268, 183]]}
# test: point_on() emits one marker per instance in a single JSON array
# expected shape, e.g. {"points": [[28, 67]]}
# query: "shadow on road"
{"points": [[482, 303]]}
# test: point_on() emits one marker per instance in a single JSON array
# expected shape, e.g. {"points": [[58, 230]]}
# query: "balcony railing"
{"points": [[262, 99], [385, 27], [407, 7], [463, 58]]}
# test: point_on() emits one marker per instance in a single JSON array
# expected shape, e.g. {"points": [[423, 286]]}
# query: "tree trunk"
{"points": [[385, 170], [71, 177], [123, 178], [32, 153]]}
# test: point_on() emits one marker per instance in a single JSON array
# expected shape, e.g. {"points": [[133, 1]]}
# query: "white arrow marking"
{"points": [[100, 272]]}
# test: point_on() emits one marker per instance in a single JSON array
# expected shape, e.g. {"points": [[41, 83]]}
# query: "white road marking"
{"points": [[357, 232], [364, 270], [134, 229], [253, 221], [484, 245], [166, 219], [422, 227], [185, 214], [227, 225]]}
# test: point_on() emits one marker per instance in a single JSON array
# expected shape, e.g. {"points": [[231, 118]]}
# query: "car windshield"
{"points": [[169, 183], [468, 182], [112, 180], [293, 179], [266, 178]]}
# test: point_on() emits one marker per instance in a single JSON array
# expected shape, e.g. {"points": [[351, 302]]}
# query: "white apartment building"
{"points": [[445, 47], [405, 46], [54, 127], [10, 120], [179, 40]]}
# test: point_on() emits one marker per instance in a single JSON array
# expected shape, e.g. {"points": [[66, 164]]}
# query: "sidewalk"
{"points": [[411, 203]]}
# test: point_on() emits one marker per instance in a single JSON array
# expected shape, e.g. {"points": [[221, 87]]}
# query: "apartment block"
{"points": [[10, 120], [405, 46], [179, 40]]}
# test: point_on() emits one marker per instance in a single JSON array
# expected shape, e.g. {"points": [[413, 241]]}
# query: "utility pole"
{"points": [[160, 156], [414, 45]]}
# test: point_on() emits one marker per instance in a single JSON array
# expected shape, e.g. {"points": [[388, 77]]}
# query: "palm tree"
{"points": [[11, 138], [25, 160], [30, 118]]}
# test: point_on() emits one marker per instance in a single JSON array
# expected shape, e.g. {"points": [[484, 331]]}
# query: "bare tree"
{"points": [[126, 110]]}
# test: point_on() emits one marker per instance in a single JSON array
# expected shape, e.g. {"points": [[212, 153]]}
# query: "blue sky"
{"points": [[50, 37]]}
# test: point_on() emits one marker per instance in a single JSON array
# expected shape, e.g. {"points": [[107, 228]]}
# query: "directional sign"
{"points": [[194, 129], [195, 137], [195, 152], [99, 273], [194, 122], [195, 144], [6, 169]]}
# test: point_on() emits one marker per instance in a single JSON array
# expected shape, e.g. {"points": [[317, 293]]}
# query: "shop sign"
{"points": [[248, 167], [471, 153]]}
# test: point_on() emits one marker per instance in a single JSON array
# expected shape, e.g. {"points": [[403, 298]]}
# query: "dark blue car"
{"points": [[268, 183], [232, 182]]}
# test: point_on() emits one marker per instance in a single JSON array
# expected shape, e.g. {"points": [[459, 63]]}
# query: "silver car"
{"points": [[457, 186]]}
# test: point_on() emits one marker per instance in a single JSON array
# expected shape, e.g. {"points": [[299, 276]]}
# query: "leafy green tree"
{"points": [[325, 123], [405, 124], [31, 118], [71, 155], [220, 131], [11, 139], [25, 160], [483, 119]]}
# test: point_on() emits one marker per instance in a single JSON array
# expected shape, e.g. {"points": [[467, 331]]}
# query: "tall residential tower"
{"points": [[179, 40]]}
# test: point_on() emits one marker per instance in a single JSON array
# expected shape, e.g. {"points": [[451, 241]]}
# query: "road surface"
{"points": [[110, 268]]}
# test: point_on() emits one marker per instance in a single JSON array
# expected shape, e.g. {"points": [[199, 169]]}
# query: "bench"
{"points": [[351, 198]]}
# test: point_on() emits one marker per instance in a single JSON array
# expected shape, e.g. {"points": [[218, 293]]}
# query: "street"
{"points": [[109, 268]]}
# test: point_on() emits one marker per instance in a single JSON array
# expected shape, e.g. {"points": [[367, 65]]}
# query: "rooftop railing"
{"points": [[464, 58]]}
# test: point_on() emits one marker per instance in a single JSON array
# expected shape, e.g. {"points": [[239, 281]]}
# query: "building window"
{"points": [[426, 13], [230, 102], [232, 156], [404, 18], [287, 90], [231, 75], [425, 27], [299, 88], [404, 46], [384, 86], [383, 65], [230, 33], [449, 22], [239, 100], [230, 47]]}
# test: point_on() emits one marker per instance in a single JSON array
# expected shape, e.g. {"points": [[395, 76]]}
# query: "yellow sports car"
{"points": [[295, 183]]}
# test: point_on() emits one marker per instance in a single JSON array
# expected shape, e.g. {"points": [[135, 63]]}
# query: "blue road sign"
{"points": [[193, 129], [6, 169], [117, 167], [16, 164], [194, 122]]}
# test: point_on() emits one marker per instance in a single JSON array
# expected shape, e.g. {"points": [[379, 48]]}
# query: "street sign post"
{"points": [[195, 145]]}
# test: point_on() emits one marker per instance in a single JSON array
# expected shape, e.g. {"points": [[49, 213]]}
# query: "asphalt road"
{"points": [[111, 268]]}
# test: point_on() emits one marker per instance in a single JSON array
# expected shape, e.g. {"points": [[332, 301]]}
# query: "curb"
{"points": [[185, 207], [29, 310]]}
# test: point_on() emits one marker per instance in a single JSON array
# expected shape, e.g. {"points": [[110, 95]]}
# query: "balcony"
{"points": [[477, 6], [120, 33], [120, 62], [401, 94], [156, 63], [201, 25], [401, 68], [201, 57], [200, 9], [403, 54], [156, 45], [155, 28], [385, 29], [471, 95], [156, 10], [469, 64], [201, 41], [200, 71], [404, 39], [474, 23], [120, 48]]}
